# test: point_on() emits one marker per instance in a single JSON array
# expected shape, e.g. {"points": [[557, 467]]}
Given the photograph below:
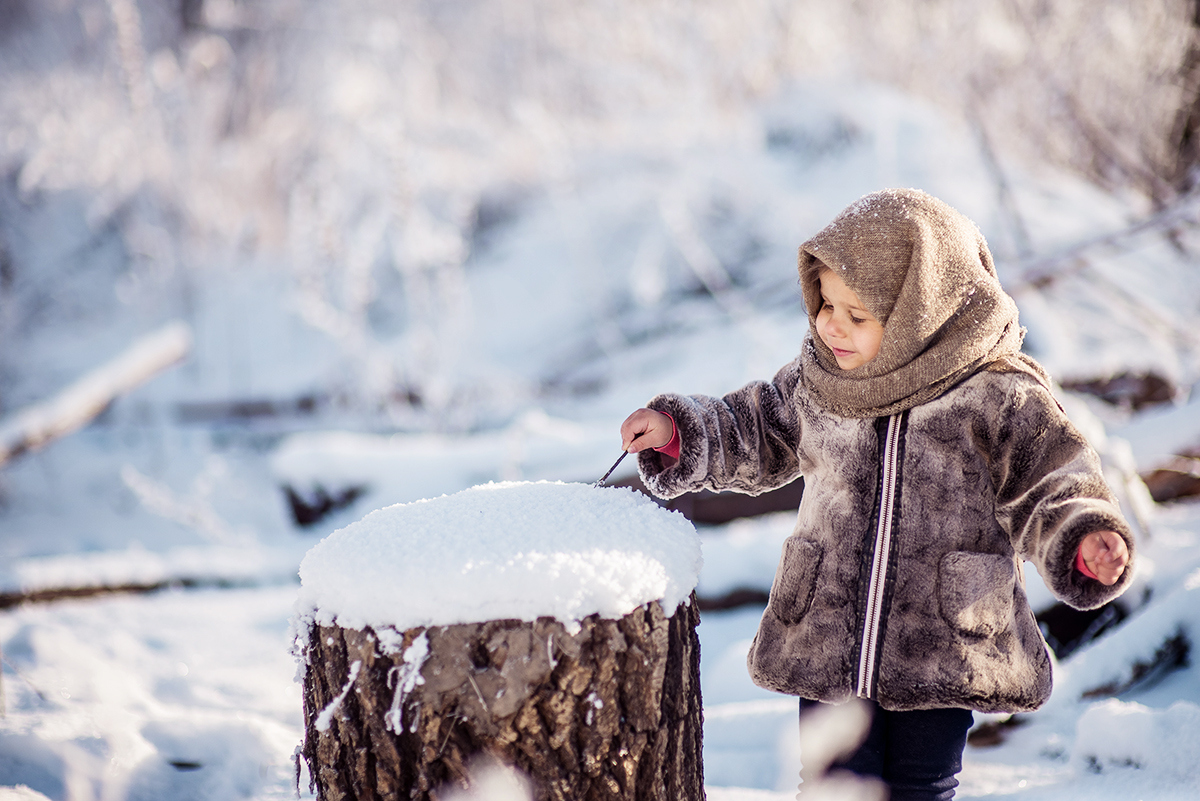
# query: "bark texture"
{"points": [[612, 711]]}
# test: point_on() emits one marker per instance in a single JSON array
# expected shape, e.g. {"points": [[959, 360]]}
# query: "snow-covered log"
{"points": [[548, 626], [76, 405]]}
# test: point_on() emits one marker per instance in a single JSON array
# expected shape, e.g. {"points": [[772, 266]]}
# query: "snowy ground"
{"points": [[587, 301], [190, 695]]}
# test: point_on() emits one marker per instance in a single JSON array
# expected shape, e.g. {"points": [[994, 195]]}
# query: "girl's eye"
{"points": [[856, 321]]}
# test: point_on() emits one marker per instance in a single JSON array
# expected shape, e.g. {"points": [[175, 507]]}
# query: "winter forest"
{"points": [[269, 265]]}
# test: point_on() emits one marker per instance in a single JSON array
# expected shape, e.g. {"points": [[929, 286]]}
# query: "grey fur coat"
{"points": [[902, 580]]}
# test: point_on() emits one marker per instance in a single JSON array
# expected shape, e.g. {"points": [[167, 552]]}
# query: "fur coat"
{"points": [[902, 581]]}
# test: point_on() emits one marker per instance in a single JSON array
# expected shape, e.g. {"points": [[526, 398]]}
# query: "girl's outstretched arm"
{"points": [[747, 441]]}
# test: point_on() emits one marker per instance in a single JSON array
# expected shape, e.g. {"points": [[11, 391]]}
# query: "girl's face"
{"points": [[845, 325]]}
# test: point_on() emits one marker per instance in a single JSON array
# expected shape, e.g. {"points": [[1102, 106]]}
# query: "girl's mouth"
{"points": [[842, 354]]}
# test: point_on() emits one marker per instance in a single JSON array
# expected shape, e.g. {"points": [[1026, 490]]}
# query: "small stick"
{"points": [[614, 467], [611, 469]]}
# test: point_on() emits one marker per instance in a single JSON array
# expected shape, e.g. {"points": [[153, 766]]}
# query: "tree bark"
{"points": [[612, 711]]}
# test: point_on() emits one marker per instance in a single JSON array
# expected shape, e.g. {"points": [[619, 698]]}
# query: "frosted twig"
{"points": [[128, 24], [22, 677], [700, 258], [194, 511], [1004, 194]]}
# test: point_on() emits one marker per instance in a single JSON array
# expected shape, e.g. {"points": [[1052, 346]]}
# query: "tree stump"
{"points": [[612, 711]]}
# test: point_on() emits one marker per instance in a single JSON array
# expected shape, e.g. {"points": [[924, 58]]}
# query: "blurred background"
{"points": [[440, 216], [266, 265]]}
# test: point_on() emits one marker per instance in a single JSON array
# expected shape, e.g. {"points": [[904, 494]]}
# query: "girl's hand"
{"points": [[654, 427], [1105, 554]]}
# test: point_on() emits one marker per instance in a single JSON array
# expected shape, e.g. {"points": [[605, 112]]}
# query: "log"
{"points": [[586, 679], [716, 508], [75, 406], [612, 711]]}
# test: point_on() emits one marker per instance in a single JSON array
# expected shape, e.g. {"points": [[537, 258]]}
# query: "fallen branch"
{"points": [[46, 595], [734, 599], [1169, 656], [78, 404], [1039, 272]]}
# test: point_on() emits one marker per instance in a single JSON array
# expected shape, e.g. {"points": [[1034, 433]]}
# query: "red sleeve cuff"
{"points": [[1082, 567], [671, 448]]}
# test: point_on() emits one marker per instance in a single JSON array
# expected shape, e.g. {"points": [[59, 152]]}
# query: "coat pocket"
{"points": [[795, 580], [976, 592]]}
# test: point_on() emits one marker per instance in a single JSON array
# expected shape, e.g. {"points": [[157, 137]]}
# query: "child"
{"points": [[935, 461]]}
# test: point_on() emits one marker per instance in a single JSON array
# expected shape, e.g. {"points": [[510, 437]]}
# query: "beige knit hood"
{"points": [[924, 271]]}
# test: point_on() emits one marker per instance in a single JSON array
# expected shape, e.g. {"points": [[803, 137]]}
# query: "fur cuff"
{"points": [[1060, 574], [691, 468]]}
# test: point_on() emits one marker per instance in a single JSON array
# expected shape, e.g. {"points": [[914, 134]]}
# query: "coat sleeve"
{"points": [[745, 441], [1051, 493]]}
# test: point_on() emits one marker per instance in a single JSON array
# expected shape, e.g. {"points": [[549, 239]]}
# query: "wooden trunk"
{"points": [[610, 712]]}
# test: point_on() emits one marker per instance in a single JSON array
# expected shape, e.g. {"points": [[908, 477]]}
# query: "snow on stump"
{"points": [[547, 626]]}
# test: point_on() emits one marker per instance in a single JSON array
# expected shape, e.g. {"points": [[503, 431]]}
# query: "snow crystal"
{"points": [[325, 719], [406, 677], [517, 550]]}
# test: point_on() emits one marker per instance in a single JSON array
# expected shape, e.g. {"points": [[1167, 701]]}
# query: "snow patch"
{"points": [[1120, 735], [1117, 659], [509, 550]]}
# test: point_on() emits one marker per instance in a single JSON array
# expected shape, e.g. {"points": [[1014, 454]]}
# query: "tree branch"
{"points": [[79, 403]]}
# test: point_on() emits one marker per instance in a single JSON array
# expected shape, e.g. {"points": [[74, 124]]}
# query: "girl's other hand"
{"points": [[1105, 554], [654, 427]]}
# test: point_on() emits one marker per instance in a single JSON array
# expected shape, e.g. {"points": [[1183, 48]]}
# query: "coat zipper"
{"points": [[883, 540]]}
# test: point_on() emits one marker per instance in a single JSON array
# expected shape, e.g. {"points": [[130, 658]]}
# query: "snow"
{"points": [[1118, 734], [325, 717], [138, 566], [1160, 434], [743, 554], [102, 696], [472, 288], [510, 550], [400, 468], [1109, 662], [406, 676]]}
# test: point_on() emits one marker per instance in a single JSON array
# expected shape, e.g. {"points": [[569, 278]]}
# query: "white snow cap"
{"points": [[502, 550]]}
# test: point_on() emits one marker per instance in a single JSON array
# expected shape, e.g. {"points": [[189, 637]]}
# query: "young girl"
{"points": [[935, 461]]}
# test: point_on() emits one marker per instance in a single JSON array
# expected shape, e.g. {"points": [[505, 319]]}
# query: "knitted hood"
{"points": [[924, 271]]}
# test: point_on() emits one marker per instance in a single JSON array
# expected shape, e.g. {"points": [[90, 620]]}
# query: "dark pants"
{"points": [[917, 754]]}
